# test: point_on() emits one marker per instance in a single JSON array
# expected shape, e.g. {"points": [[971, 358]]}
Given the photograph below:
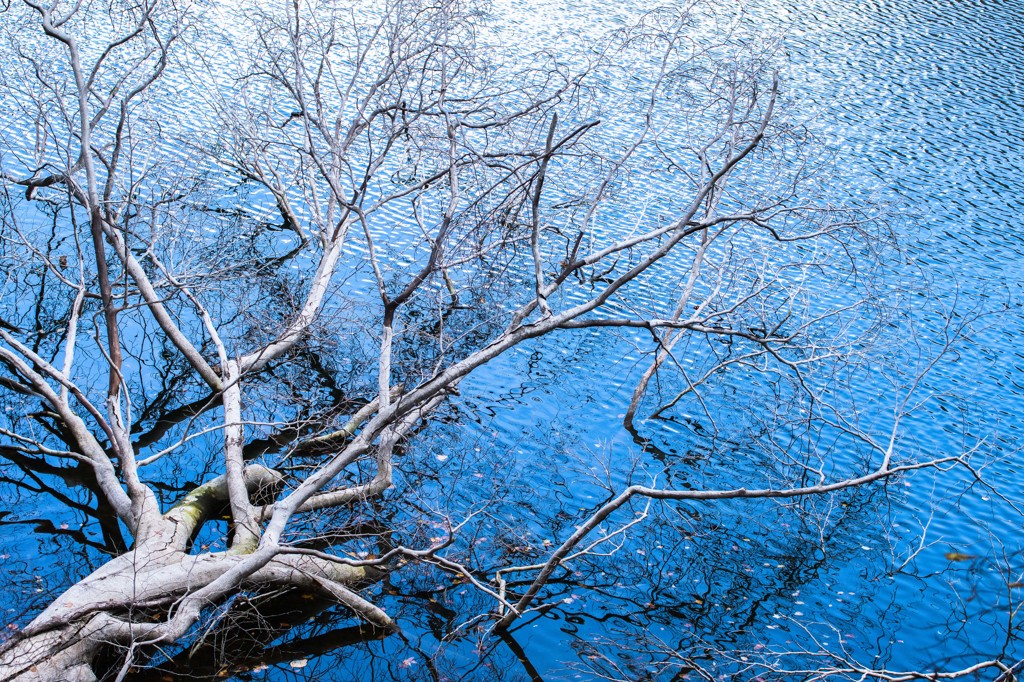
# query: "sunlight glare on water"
{"points": [[922, 104]]}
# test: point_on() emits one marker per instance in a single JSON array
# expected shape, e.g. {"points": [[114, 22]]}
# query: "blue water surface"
{"points": [[921, 105]]}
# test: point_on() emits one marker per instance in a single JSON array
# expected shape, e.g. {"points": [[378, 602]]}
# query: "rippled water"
{"points": [[924, 107], [923, 102]]}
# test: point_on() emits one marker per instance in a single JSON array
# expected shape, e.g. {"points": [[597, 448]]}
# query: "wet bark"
{"points": [[125, 602]]}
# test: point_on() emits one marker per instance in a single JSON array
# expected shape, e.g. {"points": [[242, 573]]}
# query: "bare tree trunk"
{"points": [[410, 119], [69, 634], [103, 608]]}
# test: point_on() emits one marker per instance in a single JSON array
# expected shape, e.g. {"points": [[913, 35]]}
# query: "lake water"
{"points": [[923, 104]]}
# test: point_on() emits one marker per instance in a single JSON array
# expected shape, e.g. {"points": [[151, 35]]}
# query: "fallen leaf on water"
{"points": [[1016, 584], [299, 663], [959, 556]]}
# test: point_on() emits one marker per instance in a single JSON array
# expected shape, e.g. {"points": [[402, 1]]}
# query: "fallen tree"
{"points": [[479, 200]]}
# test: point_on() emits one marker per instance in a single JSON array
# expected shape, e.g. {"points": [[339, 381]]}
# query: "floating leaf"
{"points": [[959, 556]]}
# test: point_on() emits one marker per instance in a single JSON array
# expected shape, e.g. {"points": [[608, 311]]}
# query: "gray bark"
{"points": [[62, 641]]}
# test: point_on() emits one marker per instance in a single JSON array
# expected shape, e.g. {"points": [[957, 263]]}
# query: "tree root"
{"points": [[160, 577]]}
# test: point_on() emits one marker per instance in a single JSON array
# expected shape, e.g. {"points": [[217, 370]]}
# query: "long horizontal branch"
{"points": [[883, 472]]}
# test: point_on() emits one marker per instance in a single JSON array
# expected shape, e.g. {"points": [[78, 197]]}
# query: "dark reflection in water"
{"points": [[926, 102]]}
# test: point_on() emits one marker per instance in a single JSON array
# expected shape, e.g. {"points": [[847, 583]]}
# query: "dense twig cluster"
{"points": [[391, 145]]}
